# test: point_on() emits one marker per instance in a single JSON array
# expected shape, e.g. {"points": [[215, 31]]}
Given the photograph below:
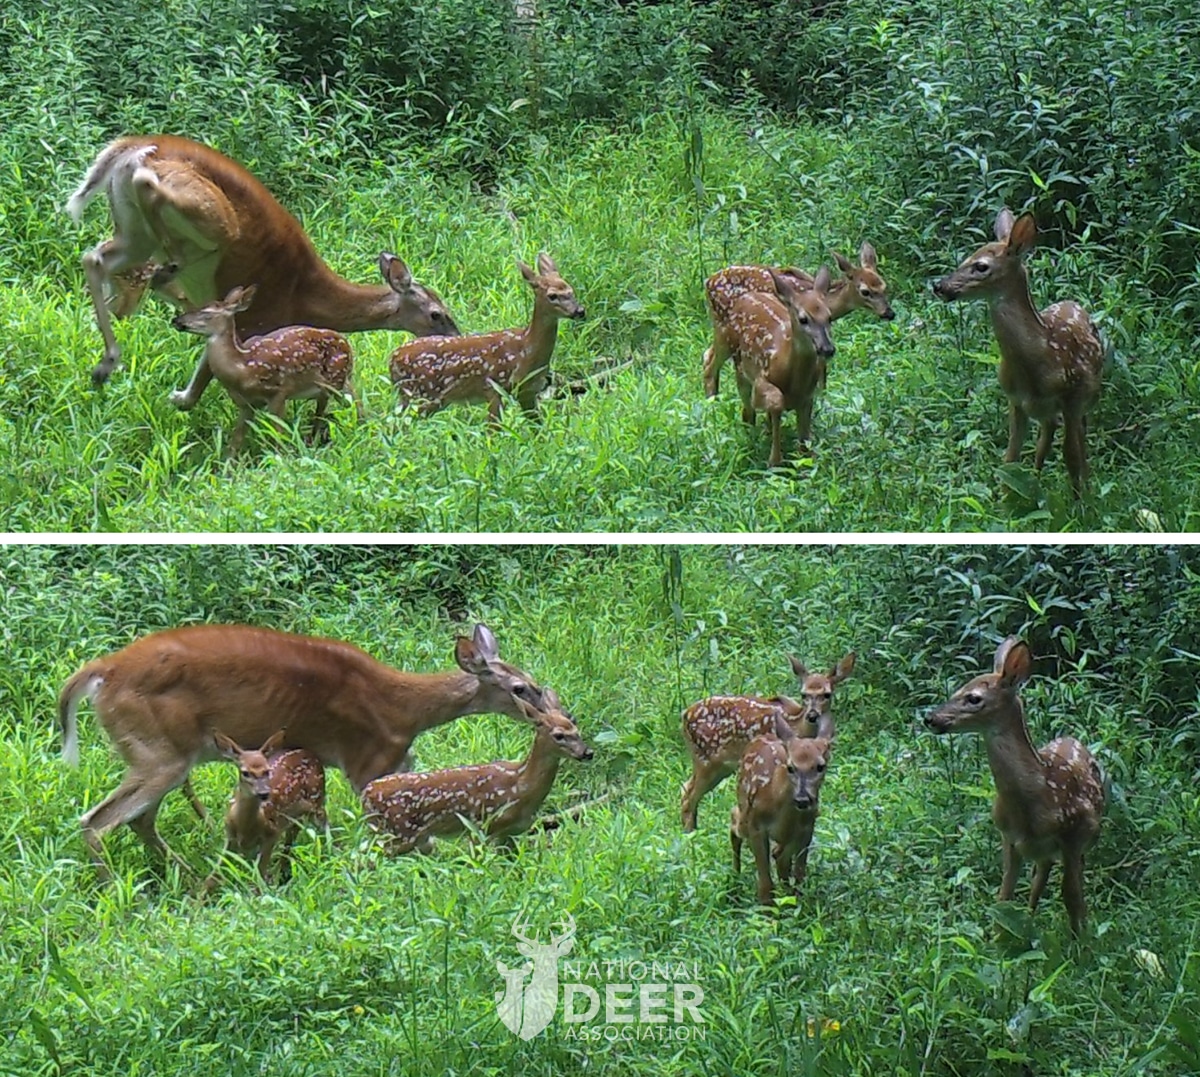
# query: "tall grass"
{"points": [[390, 966]]}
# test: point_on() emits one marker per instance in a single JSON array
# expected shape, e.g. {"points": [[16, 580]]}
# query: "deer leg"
{"points": [[1012, 867], [1075, 449], [134, 801], [1041, 873], [99, 266], [1044, 441], [760, 844], [746, 392], [239, 431], [735, 843], [320, 426], [1018, 426], [766, 397], [702, 781], [185, 399], [1072, 889], [714, 359], [197, 806], [268, 847]]}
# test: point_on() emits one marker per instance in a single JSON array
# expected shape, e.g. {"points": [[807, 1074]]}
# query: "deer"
{"points": [[501, 798], [1049, 801], [859, 288], [718, 729], [162, 698], [276, 791], [295, 363], [482, 367], [1050, 362], [780, 345], [779, 785], [207, 225]]}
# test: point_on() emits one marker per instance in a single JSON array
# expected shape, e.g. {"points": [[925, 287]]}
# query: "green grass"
{"points": [[374, 966], [909, 435]]}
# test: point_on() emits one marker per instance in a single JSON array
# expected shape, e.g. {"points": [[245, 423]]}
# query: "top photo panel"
{"points": [[678, 267]]}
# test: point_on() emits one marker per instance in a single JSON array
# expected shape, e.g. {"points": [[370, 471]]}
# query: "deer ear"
{"points": [[1004, 224], [546, 264], [1023, 236], [790, 705], [821, 284], [226, 745], [783, 284], [246, 298], [1018, 663], [529, 273], [782, 730], [843, 669], [395, 272], [843, 263], [798, 667], [866, 255], [273, 742], [826, 746], [486, 643], [467, 655]]}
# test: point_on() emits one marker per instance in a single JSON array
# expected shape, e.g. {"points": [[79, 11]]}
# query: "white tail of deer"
{"points": [[779, 785], [162, 699], [276, 791], [1050, 363], [859, 288], [502, 798], [716, 730], [436, 373], [1049, 801], [296, 363], [780, 346], [209, 226]]}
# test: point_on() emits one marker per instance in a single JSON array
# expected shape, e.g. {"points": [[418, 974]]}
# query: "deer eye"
{"points": [[558, 734], [980, 267], [802, 319], [791, 767], [820, 768], [863, 290], [975, 699], [521, 689]]}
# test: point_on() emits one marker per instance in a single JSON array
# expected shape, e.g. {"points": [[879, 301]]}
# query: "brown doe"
{"points": [[859, 288], [779, 784], [1050, 363], [295, 363], [276, 791], [437, 373], [780, 345], [208, 226], [717, 730], [1049, 801], [501, 798], [162, 699]]}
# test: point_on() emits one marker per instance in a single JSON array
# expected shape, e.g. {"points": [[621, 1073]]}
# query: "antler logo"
{"points": [[526, 1008]]}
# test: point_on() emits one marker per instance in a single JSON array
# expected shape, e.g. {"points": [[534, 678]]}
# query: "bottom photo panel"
{"points": [[628, 809]]}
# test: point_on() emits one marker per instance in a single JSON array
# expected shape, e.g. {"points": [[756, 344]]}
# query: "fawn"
{"points": [[1050, 363], [482, 366], [275, 791], [780, 344], [779, 782], [1049, 801], [717, 730], [860, 288], [503, 798], [293, 363]]}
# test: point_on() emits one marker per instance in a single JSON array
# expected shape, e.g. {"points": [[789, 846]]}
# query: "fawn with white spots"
{"points": [[276, 791], [1050, 363], [295, 363], [779, 345], [717, 730], [779, 783], [162, 699], [437, 373], [501, 798], [1049, 801], [207, 225], [859, 288]]}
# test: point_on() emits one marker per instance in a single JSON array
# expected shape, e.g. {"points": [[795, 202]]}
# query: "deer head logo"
{"points": [[526, 1008]]}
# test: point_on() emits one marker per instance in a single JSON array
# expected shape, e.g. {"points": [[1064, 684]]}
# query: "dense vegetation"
{"points": [[643, 145], [381, 966]]}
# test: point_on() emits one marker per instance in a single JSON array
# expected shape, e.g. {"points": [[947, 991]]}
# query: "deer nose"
{"points": [[889, 315], [803, 802], [578, 314], [940, 289], [587, 754], [265, 794]]}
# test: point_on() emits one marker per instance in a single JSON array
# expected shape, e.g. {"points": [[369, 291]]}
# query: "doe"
{"points": [[1049, 801]]}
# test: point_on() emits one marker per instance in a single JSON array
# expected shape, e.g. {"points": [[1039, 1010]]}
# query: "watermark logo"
{"points": [[616, 999], [526, 1008]]}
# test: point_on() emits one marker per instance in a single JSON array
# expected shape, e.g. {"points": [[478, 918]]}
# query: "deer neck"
{"points": [[244, 814], [425, 700], [1019, 328], [226, 355], [540, 337], [839, 299], [536, 775], [332, 302], [1016, 766]]}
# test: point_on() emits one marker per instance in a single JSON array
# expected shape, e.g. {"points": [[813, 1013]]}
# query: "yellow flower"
{"points": [[359, 1011], [829, 1027]]}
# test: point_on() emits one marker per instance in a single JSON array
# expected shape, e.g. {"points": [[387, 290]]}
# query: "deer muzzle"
{"points": [[946, 289]]}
